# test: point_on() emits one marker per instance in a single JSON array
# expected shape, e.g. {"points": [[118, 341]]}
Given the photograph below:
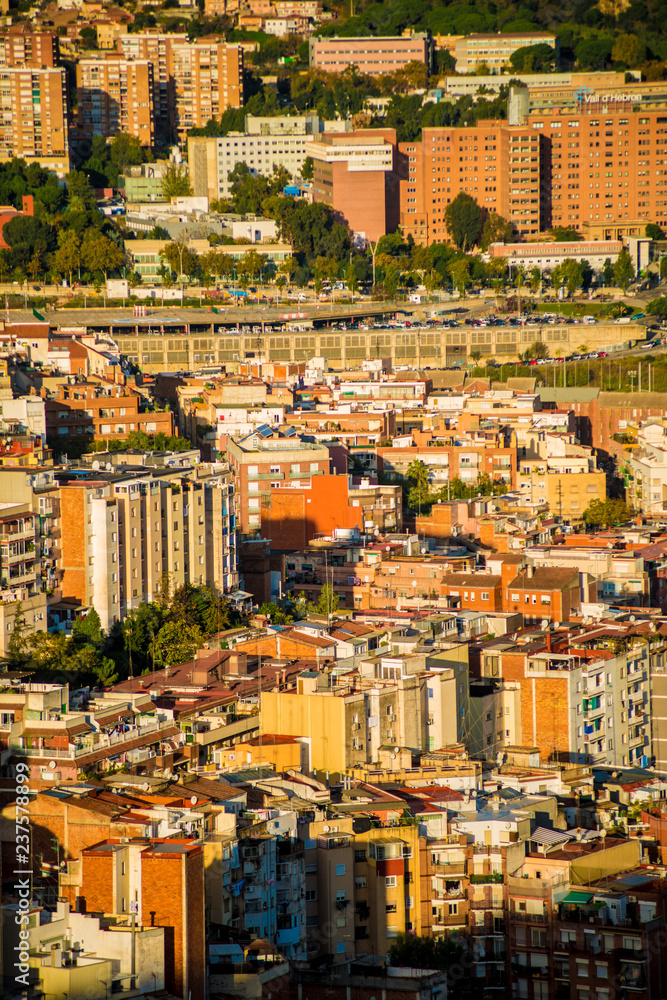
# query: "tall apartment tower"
{"points": [[158, 50], [115, 94], [208, 79], [33, 113]]}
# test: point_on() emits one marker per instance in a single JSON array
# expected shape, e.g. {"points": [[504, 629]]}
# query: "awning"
{"points": [[577, 897], [547, 838]]}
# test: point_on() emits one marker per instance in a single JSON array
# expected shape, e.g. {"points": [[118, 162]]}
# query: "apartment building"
{"points": [[568, 485], [162, 882], [576, 703], [258, 464], [19, 553], [21, 46], [208, 79], [496, 164], [647, 465], [393, 704], [124, 534], [33, 115], [355, 175], [494, 50], [116, 94], [157, 49], [265, 144], [103, 411], [373, 56]]}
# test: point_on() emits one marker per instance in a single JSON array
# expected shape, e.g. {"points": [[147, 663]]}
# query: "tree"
{"points": [[460, 272], [177, 642], [275, 613], [654, 232], [17, 645], [99, 253], [565, 234], [496, 229], [79, 192], [88, 37], [176, 182], [607, 272], [180, 258], [624, 270], [519, 279], [538, 350], [463, 218], [88, 628], [125, 150], [48, 650], [67, 258], [593, 53], [533, 59], [307, 169], [629, 49], [327, 602], [351, 279], [419, 494], [607, 513], [250, 264]]}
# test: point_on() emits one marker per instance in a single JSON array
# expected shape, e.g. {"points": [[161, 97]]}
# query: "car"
{"points": [[602, 354], [645, 347]]}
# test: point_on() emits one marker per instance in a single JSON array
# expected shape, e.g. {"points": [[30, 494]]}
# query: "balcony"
{"points": [[104, 742]]}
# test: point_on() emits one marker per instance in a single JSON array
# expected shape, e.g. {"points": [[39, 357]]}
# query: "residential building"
{"points": [[165, 878], [494, 50], [355, 174], [116, 94], [104, 411], [157, 48], [257, 463], [34, 118], [208, 79], [146, 261], [21, 46], [124, 533], [373, 56], [569, 484], [647, 482], [19, 554], [265, 144]]}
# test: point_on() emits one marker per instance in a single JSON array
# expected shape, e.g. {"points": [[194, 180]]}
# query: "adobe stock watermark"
{"points": [[23, 873]]}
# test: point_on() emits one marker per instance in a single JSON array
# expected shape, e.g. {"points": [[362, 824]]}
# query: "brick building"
{"points": [[165, 878], [34, 116], [157, 49], [373, 56], [103, 411], [208, 79], [116, 94], [355, 174]]}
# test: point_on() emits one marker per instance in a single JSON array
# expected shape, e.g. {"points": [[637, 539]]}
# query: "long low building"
{"points": [[166, 341], [546, 255], [146, 260]]}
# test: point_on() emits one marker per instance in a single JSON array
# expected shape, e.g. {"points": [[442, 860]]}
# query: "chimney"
{"points": [[529, 572], [548, 639], [56, 957]]}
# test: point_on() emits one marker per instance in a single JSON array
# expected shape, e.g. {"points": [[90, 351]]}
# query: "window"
{"points": [[340, 948], [311, 895], [340, 869], [391, 881], [360, 855], [340, 896]]}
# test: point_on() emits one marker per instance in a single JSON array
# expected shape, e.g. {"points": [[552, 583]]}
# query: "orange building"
{"points": [[33, 118], [208, 79], [166, 878], [105, 411], [292, 518], [23, 47], [355, 174], [116, 94], [284, 752], [373, 56]]}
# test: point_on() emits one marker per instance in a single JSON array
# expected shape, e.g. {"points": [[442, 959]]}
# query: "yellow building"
{"points": [[283, 752], [568, 490]]}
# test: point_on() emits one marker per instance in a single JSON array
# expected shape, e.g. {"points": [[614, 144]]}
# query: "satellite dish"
{"points": [[52, 763], [193, 800], [325, 829], [544, 624], [393, 756], [508, 826], [146, 786], [396, 749], [633, 618], [96, 465], [474, 793], [556, 624]]}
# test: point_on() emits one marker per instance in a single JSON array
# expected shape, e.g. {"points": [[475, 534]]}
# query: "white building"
{"points": [[266, 143]]}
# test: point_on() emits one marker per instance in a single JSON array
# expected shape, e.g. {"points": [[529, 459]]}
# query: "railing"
{"points": [[117, 739]]}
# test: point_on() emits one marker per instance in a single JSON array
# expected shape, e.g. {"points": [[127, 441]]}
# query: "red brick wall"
{"points": [[97, 882], [73, 542]]}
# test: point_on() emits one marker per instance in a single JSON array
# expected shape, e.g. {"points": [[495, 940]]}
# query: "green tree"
{"points": [[176, 182], [419, 494], [307, 170], [414, 952], [177, 642], [607, 272], [48, 650], [605, 513], [463, 218], [275, 613], [99, 253], [565, 234], [538, 350], [180, 258], [88, 37], [658, 307], [624, 270], [533, 59], [351, 279], [654, 232], [88, 628], [327, 602], [460, 272], [17, 645], [125, 150], [250, 264], [496, 229], [67, 258], [629, 49]]}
